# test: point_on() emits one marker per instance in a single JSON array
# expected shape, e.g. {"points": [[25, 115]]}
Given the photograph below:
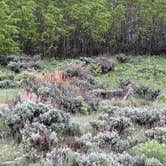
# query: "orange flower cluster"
{"points": [[56, 77]]}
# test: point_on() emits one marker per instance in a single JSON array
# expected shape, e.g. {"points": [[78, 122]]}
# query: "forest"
{"points": [[83, 83], [73, 28]]}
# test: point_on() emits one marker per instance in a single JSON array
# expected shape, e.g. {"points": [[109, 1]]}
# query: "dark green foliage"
{"points": [[82, 27], [121, 118], [7, 84], [124, 121], [122, 58], [99, 65], [75, 70], [158, 134], [8, 30], [23, 75], [143, 116], [105, 64], [54, 116], [21, 63], [146, 92], [6, 76], [152, 149], [68, 157], [38, 126], [112, 123]]}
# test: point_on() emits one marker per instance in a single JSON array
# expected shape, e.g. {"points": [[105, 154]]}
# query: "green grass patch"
{"points": [[148, 70], [3, 68], [2, 122], [84, 120], [9, 94], [11, 154], [54, 64], [152, 149]]}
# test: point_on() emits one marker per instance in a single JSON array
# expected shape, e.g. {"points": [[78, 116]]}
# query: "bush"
{"points": [[4, 132], [39, 126], [35, 135], [122, 58], [60, 156], [124, 159], [3, 76], [20, 63], [23, 75], [15, 123], [107, 139], [94, 158], [158, 134], [152, 149], [81, 105], [153, 162], [99, 65], [5, 84], [87, 143], [111, 141], [112, 123], [146, 92], [54, 116], [94, 69], [75, 70], [73, 95], [142, 116], [105, 64], [104, 105], [142, 160]]}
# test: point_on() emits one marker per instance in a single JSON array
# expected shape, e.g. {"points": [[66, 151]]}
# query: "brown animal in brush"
{"points": [[73, 143], [43, 141], [122, 94]]}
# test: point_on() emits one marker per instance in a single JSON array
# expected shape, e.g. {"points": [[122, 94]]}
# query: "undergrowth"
{"points": [[149, 70]]}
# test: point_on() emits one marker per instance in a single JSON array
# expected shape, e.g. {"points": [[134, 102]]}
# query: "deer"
{"points": [[123, 93]]}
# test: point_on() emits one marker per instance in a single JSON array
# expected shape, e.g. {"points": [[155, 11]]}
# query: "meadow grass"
{"points": [[151, 149], [54, 64], [8, 151], [84, 120], [9, 94], [148, 70], [3, 68]]}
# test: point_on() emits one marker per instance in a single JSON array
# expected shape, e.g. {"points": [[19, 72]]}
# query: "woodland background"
{"points": [[82, 27]]}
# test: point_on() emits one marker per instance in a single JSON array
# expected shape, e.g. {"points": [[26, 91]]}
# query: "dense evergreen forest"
{"points": [[82, 27]]}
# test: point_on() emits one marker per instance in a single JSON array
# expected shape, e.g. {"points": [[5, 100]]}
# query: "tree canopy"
{"points": [[84, 27]]}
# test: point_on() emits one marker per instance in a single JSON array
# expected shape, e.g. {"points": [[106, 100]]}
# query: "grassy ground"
{"points": [[150, 70], [7, 151], [8, 94], [84, 120], [3, 68], [52, 64]]}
